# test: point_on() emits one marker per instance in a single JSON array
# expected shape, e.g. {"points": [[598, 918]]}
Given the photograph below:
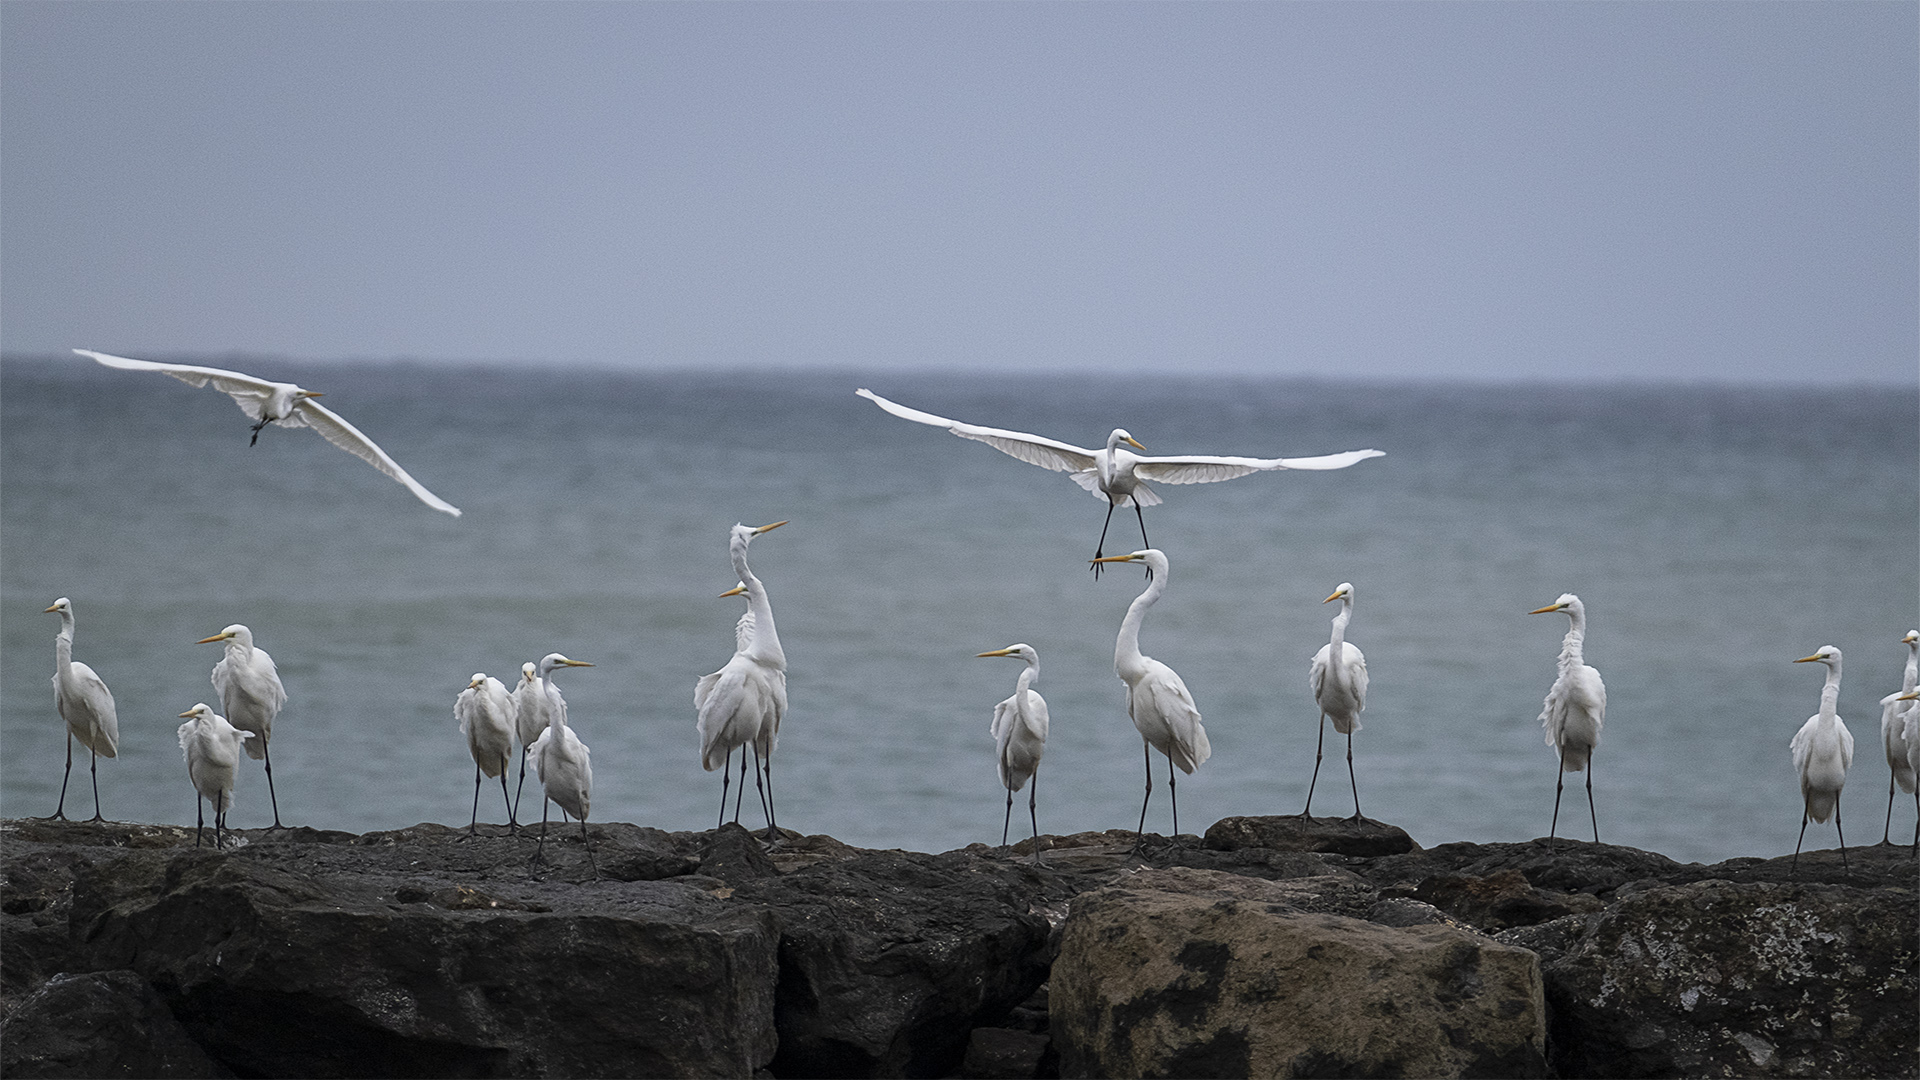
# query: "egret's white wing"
{"points": [[1208, 469], [1032, 449], [247, 391], [337, 431]]}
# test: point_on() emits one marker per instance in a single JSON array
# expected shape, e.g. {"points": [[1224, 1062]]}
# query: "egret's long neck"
{"points": [[1027, 676], [63, 642], [1336, 669], [1830, 693], [766, 638], [1908, 680], [1570, 649], [558, 715], [1128, 661]]}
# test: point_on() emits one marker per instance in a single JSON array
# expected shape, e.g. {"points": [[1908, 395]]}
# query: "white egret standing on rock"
{"points": [[212, 749], [1822, 754], [288, 405], [84, 702], [1162, 709], [1913, 755], [531, 709], [1115, 474], [250, 695], [1020, 738], [1575, 708], [485, 712], [562, 761], [742, 703], [1338, 676], [1897, 730]]}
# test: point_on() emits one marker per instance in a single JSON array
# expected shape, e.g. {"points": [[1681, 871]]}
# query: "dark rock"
{"points": [[1717, 978], [104, 1024], [1501, 900], [1210, 983], [1340, 836], [1397, 911], [1003, 1054], [889, 959], [735, 856]]}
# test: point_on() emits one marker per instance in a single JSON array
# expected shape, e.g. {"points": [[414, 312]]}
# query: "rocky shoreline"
{"points": [[1274, 947]]}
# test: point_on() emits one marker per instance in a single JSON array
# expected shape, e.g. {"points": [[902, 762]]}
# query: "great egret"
{"points": [[1340, 689], [288, 405], [742, 704], [1162, 709], [531, 710], [562, 761], [212, 749], [1115, 474], [1913, 756], [485, 712], [1897, 731], [84, 702], [1019, 732], [1575, 708], [1822, 754], [250, 695]]}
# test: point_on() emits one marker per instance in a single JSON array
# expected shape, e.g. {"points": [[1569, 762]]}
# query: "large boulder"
{"points": [[1295, 832], [1717, 978], [104, 1024], [889, 959], [1229, 977], [374, 972]]}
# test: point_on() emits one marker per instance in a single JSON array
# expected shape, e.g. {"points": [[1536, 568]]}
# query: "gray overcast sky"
{"points": [[1498, 190]]}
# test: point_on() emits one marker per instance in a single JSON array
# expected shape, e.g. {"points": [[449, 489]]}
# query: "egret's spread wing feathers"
{"points": [[337, 431], [248, 392], [1207, 469], [703, 688], [1032, 449]]}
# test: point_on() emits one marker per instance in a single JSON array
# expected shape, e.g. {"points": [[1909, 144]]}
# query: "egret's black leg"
{"points": [[95, 770], [503, 798], [1351, 780], [256, 431], [773, 829], [1143, 533], [267, 749], [588, 840], [1007, 821], [1318, 745], [60, 812], [1887, 836], [1099, 549], [1795, 864], [1140, 834], [1559, 782], [1173, 794], [740, 796], [1916, 821], [474, 825], [519, 786], [1841, 829], [726, 769], [540, 846], [1033, 797], [200, 822], [1590, 811], [219, 818]]}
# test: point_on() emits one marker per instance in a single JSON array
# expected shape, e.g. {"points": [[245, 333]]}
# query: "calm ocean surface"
{"points": [[1715, 534]]}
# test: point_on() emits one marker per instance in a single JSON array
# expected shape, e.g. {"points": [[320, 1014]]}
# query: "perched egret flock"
{"points": [[740, 706]]}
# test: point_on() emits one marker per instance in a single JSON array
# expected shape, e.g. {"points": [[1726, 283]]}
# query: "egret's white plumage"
{"points": [[1340, 689], [741, 705], [211, 747], [561, 760], [250, 696], [1911, 699], [1822, 753], [486, 714], [1115, 474], [1575, 708], [1157, 700], [288, 405], [1898, 732], [531, 711], [82, 699], [1019, 732]]}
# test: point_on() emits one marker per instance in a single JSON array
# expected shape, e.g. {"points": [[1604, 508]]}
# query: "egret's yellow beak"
{"points": [[1911, 695], [1337, 595], [1136, 443], [576, 663], [216, 637], [996, 652], [1808, 659], [51, 608], [735, 591], [1115, 558], [1544, 610], [311, 393], [186, 714], [769, 528]]}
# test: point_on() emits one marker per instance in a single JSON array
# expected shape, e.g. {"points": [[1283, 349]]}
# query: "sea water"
{"points": [[1715, 534]]}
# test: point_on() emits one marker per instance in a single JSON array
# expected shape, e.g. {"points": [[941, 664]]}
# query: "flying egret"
{"points": [[1020, 737], [562, 761], [1822, 754], [84, 702], [288, 405], [1340, 689], [1575, 708], [1115, 474], [250, 695], [1896, 731], [485, 711], [531, 710], [1162, 709], [734, 703], [742, 703], [212, 749]]}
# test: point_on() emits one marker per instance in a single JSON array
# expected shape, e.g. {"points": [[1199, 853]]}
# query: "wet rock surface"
{"points": [[420, 952]]}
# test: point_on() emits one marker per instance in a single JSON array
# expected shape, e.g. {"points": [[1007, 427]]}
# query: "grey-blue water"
{"points": [[1715, 535]]}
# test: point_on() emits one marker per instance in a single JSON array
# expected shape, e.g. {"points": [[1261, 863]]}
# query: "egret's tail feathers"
{"points": [[1904, 777], [1191, 758], [1574, 758], [1820, 804], [1345, 725], [256, 746]]}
